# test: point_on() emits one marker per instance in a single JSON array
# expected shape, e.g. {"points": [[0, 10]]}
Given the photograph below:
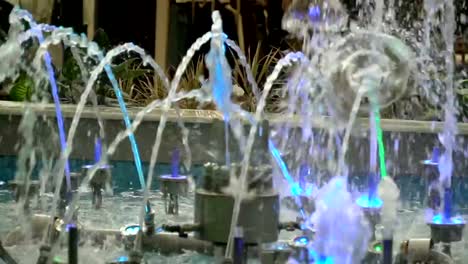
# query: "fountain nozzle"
{"points": [[150, 228]]}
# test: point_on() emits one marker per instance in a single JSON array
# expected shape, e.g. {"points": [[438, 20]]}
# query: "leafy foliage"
{"points": [[22, 89], [261, 67], [462, 96], [192, 80]]}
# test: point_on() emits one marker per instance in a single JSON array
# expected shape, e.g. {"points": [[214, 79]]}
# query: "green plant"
{"points": [[102, 39], [130, 74], [462, 96], [22, 88], [261, 67], [139, 85], [191, 81]]}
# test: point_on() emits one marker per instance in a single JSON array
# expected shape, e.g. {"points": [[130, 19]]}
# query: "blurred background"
{"points": [[167, 28], [179, 22]]}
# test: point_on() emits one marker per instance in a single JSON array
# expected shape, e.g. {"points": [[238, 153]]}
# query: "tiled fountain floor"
{"points": [[123, 208]]}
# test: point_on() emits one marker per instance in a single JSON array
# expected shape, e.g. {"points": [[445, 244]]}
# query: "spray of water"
{"points": [[390, 194], [24, 15], [286, 61], [342, 233]]}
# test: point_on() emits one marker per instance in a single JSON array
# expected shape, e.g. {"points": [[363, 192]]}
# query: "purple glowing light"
{"points": [[314, 13], [69, 226], [170, 177], [97, 150], [175, 163], [104, 166]]}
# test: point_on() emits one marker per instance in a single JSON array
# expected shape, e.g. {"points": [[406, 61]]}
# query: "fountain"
{"points": [[251, 165], [173, 185]]}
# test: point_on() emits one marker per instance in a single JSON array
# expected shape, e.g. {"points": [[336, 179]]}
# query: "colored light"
{"points": [[314, 12], [364, 202], [169, 177], [97, 150], [325, 260], [55, 96], [132, 230], [295, 188], [122, 259], [383, 168], [58, 259], [100, 167], [378, 248], [429, 162], [68, 226], [440, 220], [175, 163], [128, 123], [301, 241], [280, 247]]}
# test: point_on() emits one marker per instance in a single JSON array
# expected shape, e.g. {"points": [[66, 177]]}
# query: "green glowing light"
{"points": [[383, 168], [378, 248], [57, 260]]}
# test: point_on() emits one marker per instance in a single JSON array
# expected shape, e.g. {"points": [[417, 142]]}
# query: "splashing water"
{"points": [[342, 232], [220, 72], [128, 123], [446, 23], [296, 189], [390, 194], [450, 123], [24, 15], [286, 61]]}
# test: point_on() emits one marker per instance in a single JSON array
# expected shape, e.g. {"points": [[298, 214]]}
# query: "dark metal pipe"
{"points": [[239, 247], [387, 251], [171, 244], [181, 229], [72, 244]]}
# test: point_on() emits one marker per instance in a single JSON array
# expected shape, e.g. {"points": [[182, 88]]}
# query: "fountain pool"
{"points": [[326, 181]]}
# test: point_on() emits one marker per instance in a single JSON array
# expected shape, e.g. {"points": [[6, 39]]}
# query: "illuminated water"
{"points": [[340, 76]]}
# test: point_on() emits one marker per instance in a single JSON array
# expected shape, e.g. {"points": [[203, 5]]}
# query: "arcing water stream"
{"points": [[338, 75]]}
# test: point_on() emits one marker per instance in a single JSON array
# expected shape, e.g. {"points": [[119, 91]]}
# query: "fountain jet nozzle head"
{"points": [[434, 160], [374, 65]]}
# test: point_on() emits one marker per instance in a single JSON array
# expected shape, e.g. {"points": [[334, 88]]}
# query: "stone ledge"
{"points": [[208, 116]]}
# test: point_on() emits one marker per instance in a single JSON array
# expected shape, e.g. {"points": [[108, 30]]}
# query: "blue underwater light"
{"points": [[440, 220], [295, 187], [132, 230], [122, 259], [364, 202], [301, 241]]}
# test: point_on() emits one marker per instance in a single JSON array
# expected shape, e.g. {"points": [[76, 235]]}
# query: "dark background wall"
{"points": [[128, 21]]}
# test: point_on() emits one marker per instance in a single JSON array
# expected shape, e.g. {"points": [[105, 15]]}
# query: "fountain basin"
{"points": [[19, 189], [213, 213], [412, 134]]}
